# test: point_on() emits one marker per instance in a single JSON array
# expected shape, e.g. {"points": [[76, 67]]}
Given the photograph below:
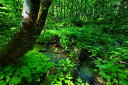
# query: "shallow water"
{"points": [[85, 71]]}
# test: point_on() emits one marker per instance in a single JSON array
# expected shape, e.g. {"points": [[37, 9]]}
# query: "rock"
{"points": [[57, 50], [42, 50]]}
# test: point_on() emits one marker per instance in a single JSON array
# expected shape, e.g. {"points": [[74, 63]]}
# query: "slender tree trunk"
{"points": [[85, 9], [81, 10], [57, 12], [122, 11], [64, 8], [30, 29], [76, 7]]}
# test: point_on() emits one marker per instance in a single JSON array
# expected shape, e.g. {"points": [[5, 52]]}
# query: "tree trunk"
{"points": [[123, 8], [34, 16]]}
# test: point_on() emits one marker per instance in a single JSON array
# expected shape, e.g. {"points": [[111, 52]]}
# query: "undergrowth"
{"points": [[33, 68], [109, 51]]}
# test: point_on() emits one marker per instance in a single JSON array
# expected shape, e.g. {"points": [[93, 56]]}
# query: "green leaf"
{"points": [[26, 72], [2, 82], [8, 74], [108, 77], [61, 78], [58, 83], [1, 77], [38, 80], [68, 60], [8, 68], [86, 83], [1, 72], [7, 79], [114, 80], [123, 82], [67, 81], [108, 83], [65, 68], [15, 80], [69, 77]]}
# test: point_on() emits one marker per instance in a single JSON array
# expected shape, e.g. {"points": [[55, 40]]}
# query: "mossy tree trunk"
{"points": [[34, 15]]}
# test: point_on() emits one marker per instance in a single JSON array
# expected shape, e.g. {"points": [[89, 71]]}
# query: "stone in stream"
{"points": [[42, 50], [57, 51]]}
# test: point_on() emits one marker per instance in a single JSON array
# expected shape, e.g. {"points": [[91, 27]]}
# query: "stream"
{"points": [[85, 71]]}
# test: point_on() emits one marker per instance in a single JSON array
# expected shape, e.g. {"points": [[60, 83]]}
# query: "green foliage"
{"points": [[37, 63], [66, 65], [62, 78], [82, 37], [79, 82], [45, 37], [59, 25], [110, 49], [111, 68], [104, 46], [64, 74], [6, 35], [34, 66], [10, 14], [67, 79], [90, 38], [100, 26]]}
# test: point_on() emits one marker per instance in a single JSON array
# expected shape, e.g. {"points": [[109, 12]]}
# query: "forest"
{"points": [[63, 42]]}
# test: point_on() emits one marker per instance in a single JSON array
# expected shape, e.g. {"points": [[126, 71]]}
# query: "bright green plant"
{"points": [[111, 68], [67, 79], [46, 36], [37, 63], [34, 66], [10, 14], [6, 36], [79, 82], [64, 74], [62, 78], [66, 65]]}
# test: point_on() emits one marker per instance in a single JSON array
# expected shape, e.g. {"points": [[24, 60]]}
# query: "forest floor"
{"points": [[85, 52]]}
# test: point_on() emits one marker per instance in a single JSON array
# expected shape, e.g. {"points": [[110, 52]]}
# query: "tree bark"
{"points": [[34, 16]]}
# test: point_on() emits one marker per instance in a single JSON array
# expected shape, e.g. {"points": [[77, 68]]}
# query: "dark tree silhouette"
{"points": [[34, 15]]}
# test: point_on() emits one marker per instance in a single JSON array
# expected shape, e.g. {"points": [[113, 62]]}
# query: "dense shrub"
{"points": [[112, 67], [32, 68]]}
